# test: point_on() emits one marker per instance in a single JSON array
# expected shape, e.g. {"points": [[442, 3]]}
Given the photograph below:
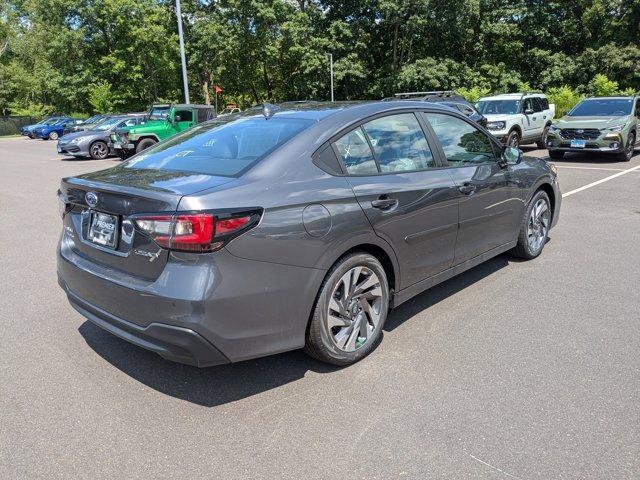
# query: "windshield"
{"points": [[107, 124], [502, 107], [93, 119], [159, 113], [51, 121], [602, 107], [220, 148]]}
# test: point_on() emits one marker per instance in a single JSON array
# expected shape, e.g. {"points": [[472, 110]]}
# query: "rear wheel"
{"points": [[144, 144], [98, 150], [627, 154], [556, 155], [350, 311], [542, 143], [53, 136], [513, 140], [535, 227]]}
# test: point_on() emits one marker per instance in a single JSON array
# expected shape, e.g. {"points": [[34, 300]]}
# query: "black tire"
{"points": [[122, 155], [524, 249], [627, 154], [144, 144], [53, 136], [98, 150], [320, 340], [542, 143], [513, 139], [556, 155]]}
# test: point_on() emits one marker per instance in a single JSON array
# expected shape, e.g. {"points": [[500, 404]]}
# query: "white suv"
{"points": [[518, 118]]}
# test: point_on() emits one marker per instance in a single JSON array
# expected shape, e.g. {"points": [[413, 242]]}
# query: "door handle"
{"points": [[384, 203], [467, 188]]}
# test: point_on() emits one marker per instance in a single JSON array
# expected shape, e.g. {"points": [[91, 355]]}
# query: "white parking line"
{"points": [[591, 168], [606, 179]]}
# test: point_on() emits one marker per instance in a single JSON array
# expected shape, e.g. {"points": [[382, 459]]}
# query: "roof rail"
{"points": [[441, 93]]}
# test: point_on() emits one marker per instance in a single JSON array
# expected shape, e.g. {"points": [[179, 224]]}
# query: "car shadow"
{"points": [[219, 385]]}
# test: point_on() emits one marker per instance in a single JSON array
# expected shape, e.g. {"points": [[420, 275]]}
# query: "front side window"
{"points": [[355, 153], [219, 147], [463, 144], [399, 143]]}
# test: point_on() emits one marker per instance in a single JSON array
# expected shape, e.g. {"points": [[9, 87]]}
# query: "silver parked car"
{"points": [[295, 226], [94, 143]]}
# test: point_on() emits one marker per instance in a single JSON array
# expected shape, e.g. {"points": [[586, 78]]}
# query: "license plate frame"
{"points": [[578, 143], [117, 145], [101, 234]]}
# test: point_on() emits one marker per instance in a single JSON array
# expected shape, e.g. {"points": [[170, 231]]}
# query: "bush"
{"points": [[473, 94], [601, 86], [101, 97], [564, 98]]}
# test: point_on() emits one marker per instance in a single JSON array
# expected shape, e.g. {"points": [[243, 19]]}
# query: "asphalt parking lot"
{"points": [[512, 370]]}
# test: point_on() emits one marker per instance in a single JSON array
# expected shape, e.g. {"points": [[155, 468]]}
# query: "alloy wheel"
{"points": [[514, 141], [630, 146], [355, 308], [99, 150], [538, 225]]}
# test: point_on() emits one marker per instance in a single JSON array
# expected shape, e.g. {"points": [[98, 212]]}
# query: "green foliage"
{"points": [[122, 55], [101, 97], [564, 98], [473, 94], [601, 86]]}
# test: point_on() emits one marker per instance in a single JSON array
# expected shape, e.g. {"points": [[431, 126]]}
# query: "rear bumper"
{"points": [[177, 344], [202, 309]]}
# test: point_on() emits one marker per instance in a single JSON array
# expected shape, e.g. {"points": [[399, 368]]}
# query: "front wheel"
{"points": [[513, 140], [99, 150], [627, 154], [535, 227], [122, 154], [53, 136], [350, 311], [144, 144]]}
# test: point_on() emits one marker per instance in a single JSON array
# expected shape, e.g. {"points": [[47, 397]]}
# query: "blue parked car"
{"points": [[27, 130], [53, 131]]}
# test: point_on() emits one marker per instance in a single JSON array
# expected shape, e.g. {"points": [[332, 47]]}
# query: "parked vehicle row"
{"points": [[51, 128], [297, 226]]}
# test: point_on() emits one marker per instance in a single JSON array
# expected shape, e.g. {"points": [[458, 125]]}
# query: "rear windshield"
{"points": [[220, 148], [605, 107]]}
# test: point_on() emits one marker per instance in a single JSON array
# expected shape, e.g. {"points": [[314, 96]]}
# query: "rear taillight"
{"points": [[196, 232]]}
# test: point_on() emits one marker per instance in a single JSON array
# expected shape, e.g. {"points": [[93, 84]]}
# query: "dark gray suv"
{"points": [[298, 226]]}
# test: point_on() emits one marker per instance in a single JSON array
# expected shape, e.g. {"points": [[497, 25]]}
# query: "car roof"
{"points": [[513, 96], [616, 97], [320, 110]]}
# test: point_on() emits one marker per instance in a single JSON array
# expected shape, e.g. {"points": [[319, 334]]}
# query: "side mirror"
{"points": [[528, 111], [511, 155]]}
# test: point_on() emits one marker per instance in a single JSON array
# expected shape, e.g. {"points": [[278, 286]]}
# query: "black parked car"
{"points": [[444, 97], [298, 226]]}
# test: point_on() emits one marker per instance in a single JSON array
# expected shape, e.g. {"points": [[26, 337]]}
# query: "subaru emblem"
{"points": [[579, 131], [91, 198]]}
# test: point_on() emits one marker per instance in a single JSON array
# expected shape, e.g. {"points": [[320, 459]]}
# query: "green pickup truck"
{"points": [[598, 124], [163, 121]]}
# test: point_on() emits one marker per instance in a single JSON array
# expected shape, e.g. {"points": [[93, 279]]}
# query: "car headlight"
{"points": [[617, 128], [78, 140], [553, 128], [496, 125], [553, 168]]}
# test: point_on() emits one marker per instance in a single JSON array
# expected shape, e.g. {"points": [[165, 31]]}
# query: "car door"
{"points": [[529, 127], [408, 199], [490, 204], [183, 119]]}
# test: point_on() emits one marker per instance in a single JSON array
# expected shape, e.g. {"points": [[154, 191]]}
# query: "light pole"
{"points": [[331, 72], [184, 61]]}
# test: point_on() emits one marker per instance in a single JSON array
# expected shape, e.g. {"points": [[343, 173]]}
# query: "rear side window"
{"points": [[544, 102], [463, 144], [537, 104], [220, 148], [355, 153], [203, 115], [185, 115], [399, 143]]}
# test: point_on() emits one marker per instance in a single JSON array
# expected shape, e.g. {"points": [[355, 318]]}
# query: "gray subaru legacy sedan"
{"points": [[294, 226]]}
